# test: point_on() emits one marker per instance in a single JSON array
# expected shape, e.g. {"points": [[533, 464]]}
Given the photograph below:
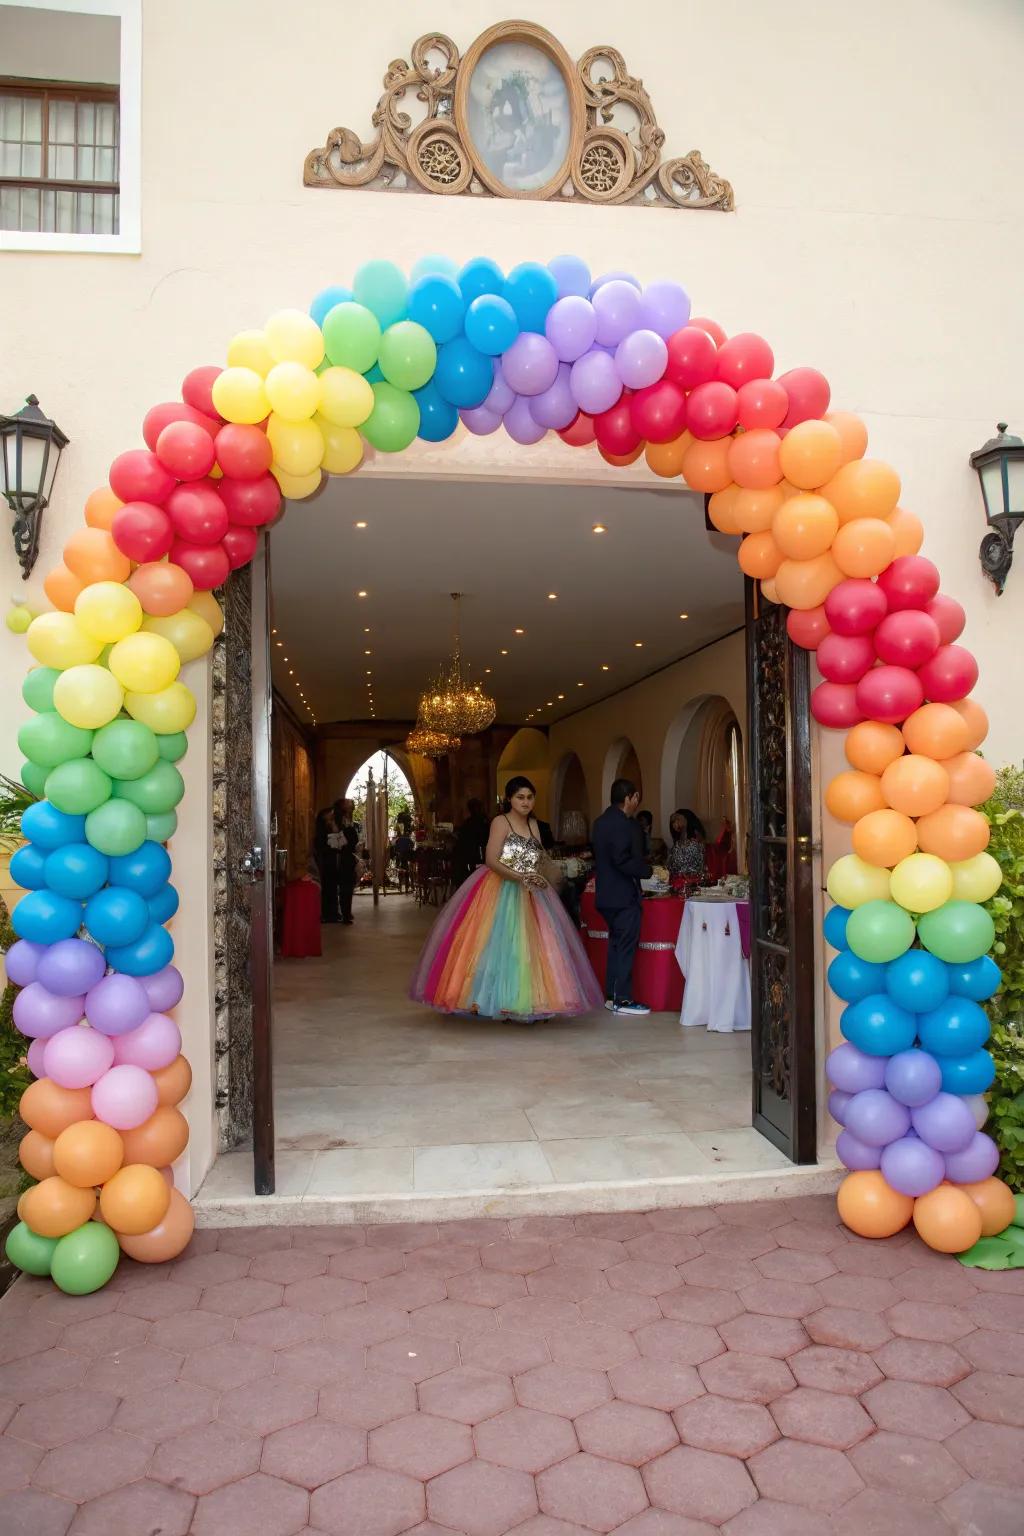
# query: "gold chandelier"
{"points": [[452, 705], [430, 743]]}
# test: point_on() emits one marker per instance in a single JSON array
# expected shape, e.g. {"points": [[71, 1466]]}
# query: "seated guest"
{"points": [[686, 856]]}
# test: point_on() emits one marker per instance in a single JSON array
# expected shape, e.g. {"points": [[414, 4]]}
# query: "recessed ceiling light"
{"points": [[549, 703], [366, 629], [552, 596], [599, 528], [367, 653], [579, 685], [273, 631], [604, 666], [504, 653], [368, 672], [278, 643], [291, 672], [520, 631], [561, 695], [360, 594], [639, 644], [487, 669], [684, 615], [360, 525]]}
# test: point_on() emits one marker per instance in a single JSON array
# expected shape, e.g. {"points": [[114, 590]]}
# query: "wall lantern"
{"points": [[30, 450], [1000, 466]]}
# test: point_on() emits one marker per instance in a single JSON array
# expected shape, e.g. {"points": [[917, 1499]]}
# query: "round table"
{"points": [[657, 980], [710, 952]]}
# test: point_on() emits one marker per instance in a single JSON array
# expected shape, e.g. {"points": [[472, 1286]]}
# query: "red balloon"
{"points": [[948, 615], [761, 403], [835, 705], [162, 415], [910, 581], [845, 658], [196, 390], [621, 459], [240, 545], [614, 428], [744, 357], [949, 675], [138, 475], [889, 694], [907, 638], [197, 513], [142, 532], [186, 450], [808, 394], [807, 627], [579, 432], [251, 502], [855, 606], [691, 357], [207, 564], [712, 410], [244, 453], [712, 327], [659, 411]]}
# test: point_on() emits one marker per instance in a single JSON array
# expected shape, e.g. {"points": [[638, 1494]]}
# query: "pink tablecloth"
{"points": [[656, 977]]}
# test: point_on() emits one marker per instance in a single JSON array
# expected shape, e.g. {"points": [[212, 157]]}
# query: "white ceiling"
{"points": [[505, 547]]}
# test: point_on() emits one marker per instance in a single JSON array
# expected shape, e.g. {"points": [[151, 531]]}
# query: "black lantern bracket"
{"points": [[30, 449], [1000, 468]]}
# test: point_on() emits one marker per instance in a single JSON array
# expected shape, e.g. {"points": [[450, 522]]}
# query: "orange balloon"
{"points": [[852, 794], [804, 526], [753, 510], [884, 838], [666, 459], [62, 587], [35, 1153], [754, 459], [92, 555], [907, 530], [971, 779], [807, 583], [853, 434], [158, 1140], [88, 1153], [936, 730], [915, 785], [135, 1200], [100, 507], [20, 1207], [720, 509], [864, 547], [947, 1219], [621, 459], [811, 453], [976, 720], [871, 1207], [769, 591], [759, 556], [871, 746], [995, 1201], [161, 587], [174, 1081], [166, 1240], [45, 1107], [54, 1208], [953, 833], [706, 465], [863, 488]]}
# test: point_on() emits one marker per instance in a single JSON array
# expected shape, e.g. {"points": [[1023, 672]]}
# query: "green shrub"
{"points": [[1005, 812]]}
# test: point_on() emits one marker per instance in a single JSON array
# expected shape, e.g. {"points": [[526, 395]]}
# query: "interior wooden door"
{"points": [[258, 866]]}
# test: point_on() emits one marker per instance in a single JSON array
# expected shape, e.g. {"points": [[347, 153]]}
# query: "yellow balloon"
{"points": [[249, 350], [108, 611], [293, 391], [170, 710], [58, 640], [852, 881], [190, 635], [88, 696], [921, 882], [144, 663], [296, 487], [346, 398], [343, 447], [973, 879], [298, 445], [240, 396], [293, 337], [208, 609]]}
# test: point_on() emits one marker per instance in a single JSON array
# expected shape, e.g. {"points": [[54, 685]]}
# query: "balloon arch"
{"points": [[543, 348]]}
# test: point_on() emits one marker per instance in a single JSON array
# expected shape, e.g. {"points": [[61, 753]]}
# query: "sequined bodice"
{"points": [[521, 854]]}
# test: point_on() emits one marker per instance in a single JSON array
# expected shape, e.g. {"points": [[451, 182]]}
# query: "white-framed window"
{"points": [[70, 125]]}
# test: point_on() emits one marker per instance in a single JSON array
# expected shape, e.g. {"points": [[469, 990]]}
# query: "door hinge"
{"points": [[252, 864]]}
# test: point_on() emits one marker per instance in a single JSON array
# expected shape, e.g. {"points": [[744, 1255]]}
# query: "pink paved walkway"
{"points": [[753, 1369]]}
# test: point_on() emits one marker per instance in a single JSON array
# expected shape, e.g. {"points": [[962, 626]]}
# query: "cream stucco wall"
{"points": [[877, 237]]}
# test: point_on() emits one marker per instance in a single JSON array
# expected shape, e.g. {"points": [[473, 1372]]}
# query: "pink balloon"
{"points": [[948, 615], [744, 357], [845, 658], [910, 581], [36, 1052], [835, 705], [124, 1097], [807, 627], [907, 638], [76, 1058], [186, 449], [808, 393], [949, 675], [712, 410], [855, 606], [155, 1044], [762, 403], [889, 694]]}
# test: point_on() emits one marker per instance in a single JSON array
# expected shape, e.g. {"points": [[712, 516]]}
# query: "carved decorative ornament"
{"points": [[517, 118]]}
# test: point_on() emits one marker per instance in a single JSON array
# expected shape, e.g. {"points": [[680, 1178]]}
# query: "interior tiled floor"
{"points": [[374, 1094], [754, 1369]]}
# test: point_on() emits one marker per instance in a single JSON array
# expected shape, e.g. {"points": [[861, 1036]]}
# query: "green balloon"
{"points": [[394, 420], [352, 336], [957, 932], [115, 828], [155, 792], [34, 779], [160, 829], [879, 931], [172, 748], [78, 787], [49, 740], [37, 689], [126, 749], [408, 355], [85, 1259], [382, 287], [28, 1251]]}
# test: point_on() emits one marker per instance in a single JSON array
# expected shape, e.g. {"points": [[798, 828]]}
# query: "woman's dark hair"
{"points": [[646, 817], [694, 825], [514, 785]]}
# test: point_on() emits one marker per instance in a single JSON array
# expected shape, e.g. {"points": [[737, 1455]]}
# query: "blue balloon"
{"points": [[375, 375], [491, 324], [878, 1026], [917, 980], [572, 275], [146, 956], [77, 870], [957, 1027], [163, 905], [382, 287], [431, 266], [438, 418], [977, 979], [144, 871], [835, 927], [116, 916], [48, 828], [28, 868], [436, 303], [326, 300], [44, 918], [463, 375], [852, 978], [480, 275], [531, 290], [974, 1073]]}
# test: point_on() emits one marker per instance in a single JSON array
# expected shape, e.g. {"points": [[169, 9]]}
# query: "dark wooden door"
{"points": [[781, 882], [260, 871]]}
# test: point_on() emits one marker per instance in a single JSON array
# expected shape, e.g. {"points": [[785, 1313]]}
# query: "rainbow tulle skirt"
{"points": [[501, 951]]}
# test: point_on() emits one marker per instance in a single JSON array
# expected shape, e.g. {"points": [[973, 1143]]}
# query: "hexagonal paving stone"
{"points": [[241, 1298], [416, 1356], [206, 1458], [930, 1281], [717, 1272], [663, 1384], [797, 1473], [688, 1343], [865, 1256], [928, 1320], [420, 1445], [367, 1399], [313, 1452], [1000, 1312], [699, 1304], [281, 1328], [764, 1214], [368, 1322], [526, 1439], [983, 1508], [591, 1345], [30, 1512], [508, 1353], [253, 1240], [287, 1265], [720, 1424], [480, 1499], [33, 1336], [823, 1418], [994, 1453], [768, 1517], [185, 1333], [691, 1219], [665, 1247], [564, 1389], [626, 1432], [620, 1309], [63, 1416], [862, 1292], [275, 1403], [362, 1264], [737, 1242], [835, 1370], [595, 1493], [795, 1264], [591, 1252], [640, 1275], [748, 1378], [444, 1259], [453, 1319], [105, 1334], [211, 1268], [908, 1465], [994, 1398], [989, 1350], [323, 1293], [406, 1291], [18, 1461], [83, 1469], [143, 1506], [487, 1287], [516, 1256], [755, 1335], [257, 1503], [318, 1361], [538, 1314], [931, 1412], [699, 1484], [575, 1282], [812, 1236], [479, 1229], [548, 1229], [620, 1226], [330, 1238], [873, 1512], [846, 1328], [937, 1365], [467, 1394], [139, 1368], [781, 1298], [228, 1365]]}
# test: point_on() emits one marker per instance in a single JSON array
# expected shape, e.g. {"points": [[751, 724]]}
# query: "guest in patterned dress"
{"points": [[686, 857]]}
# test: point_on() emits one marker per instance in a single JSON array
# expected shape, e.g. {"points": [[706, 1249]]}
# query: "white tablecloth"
{"points": [[717, 992]]}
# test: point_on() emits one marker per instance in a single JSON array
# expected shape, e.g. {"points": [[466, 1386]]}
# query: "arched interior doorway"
{"points": [[703, 768], [620, 762], [569, 800], [527, 753]]}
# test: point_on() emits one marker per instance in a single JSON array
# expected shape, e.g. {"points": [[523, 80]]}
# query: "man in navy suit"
{"points": [[619, 868]]}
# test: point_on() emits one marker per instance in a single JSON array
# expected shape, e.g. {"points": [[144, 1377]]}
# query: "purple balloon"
{"points": [[945, 1123], [40, 1014], [118, 1003], [70, 967], [856, 1154], [570, 327], [501, 397], [978, 1106], [617, 307], [837, 1102], [124, 1097], [164, 989], [614, 277], [914, 1077], [641, 359], [155, 1044], [76, 1058], [519, 423], [36, 1052], [22, 960], [556, 407], [911, 1166], [480, 421], [596, 385], [664, 307], [852, 1071], [572, 275], [876, 1118], [978, 1160], [531, 364]]}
